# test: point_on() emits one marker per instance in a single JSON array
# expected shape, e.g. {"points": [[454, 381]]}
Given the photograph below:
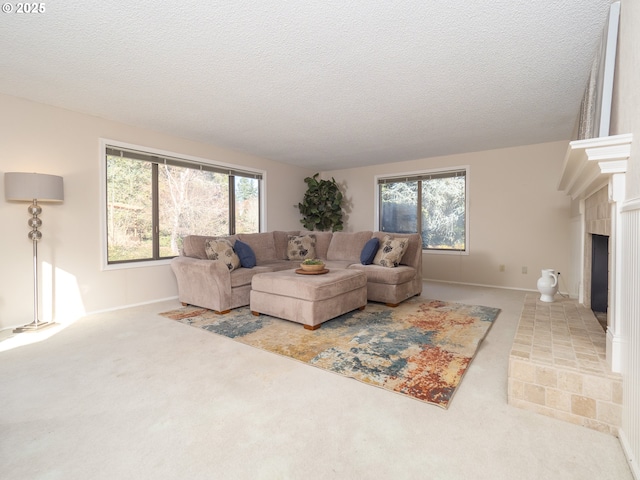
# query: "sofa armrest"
{"points": [[205, 283]]}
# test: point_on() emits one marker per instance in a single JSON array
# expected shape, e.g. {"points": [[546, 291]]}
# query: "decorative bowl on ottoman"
{"points": [[312, 265]]}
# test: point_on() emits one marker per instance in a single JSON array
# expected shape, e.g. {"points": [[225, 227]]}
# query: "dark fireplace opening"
{"points": [[600, 277]]}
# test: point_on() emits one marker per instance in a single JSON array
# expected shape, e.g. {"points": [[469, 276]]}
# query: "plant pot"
{"points": [[312, 268]]}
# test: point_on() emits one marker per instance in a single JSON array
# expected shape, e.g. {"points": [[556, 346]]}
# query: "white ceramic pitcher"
{"points": [[548, 285]]}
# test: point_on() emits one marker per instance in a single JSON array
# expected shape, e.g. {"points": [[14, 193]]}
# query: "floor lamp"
{"points": [[34, 188]]}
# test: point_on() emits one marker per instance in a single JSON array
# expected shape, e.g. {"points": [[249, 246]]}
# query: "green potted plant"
{"points": [[312, 265], [321, 207]]}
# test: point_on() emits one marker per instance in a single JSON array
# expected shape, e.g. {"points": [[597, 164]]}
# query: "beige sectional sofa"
{"points": [[211, 284]]}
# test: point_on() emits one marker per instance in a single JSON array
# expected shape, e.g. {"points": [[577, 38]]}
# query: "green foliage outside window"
{"points": [[129, 199], [443, 213], [435, 207], [190, 202]]}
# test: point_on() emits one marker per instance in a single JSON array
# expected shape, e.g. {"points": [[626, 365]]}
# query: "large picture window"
{"points": [[153, 201], [431, 203]]}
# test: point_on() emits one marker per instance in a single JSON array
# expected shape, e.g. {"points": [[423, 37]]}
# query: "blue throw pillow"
{"points": [[368, 251], [247, 257]]}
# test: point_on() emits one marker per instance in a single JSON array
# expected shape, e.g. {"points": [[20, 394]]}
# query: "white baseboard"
{"points": [[631, 460], [122, 307], [564, 294]]}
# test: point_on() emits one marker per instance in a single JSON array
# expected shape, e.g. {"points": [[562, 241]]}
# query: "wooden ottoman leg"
{"points": [[257, 314], [312, 327]]}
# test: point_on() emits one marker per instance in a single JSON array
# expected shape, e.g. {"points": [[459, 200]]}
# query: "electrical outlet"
{"points": [[525, 270], [501, 268]]}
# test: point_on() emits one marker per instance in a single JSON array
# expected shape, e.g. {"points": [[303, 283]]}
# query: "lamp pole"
{"points": [[35, 222]]}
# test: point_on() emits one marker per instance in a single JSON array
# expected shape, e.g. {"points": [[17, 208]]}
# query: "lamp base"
{"points": [[34, 327]]}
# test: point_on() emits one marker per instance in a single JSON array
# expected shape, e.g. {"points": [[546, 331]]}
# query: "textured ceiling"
{"points": [[320, 84]]}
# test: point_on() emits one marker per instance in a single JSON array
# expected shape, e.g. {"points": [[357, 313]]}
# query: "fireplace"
{"points": [[600, 277], [598, 222], [591, 166], [594, 176]]}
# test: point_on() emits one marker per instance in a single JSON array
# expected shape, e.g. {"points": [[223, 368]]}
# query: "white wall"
{"points": [[625, 117], [517, 216], [44, 139]]}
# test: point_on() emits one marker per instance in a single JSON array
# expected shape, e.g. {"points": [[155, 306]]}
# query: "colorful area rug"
{"points": [[420, 348]]}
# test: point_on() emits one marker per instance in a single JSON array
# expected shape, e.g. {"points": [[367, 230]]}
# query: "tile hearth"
{"points": [[558, 367]]}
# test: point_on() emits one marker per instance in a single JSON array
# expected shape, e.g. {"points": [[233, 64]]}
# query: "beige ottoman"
{"points": [[308, 299]]}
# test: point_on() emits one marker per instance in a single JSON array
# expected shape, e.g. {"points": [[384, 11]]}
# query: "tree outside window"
{"points": [[129, 208], [153, 204], [434, 204]]}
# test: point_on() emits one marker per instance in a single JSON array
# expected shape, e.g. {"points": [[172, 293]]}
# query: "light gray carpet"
{"points": [[130, 394]]}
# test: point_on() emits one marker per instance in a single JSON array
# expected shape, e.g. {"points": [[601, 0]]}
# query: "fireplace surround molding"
{"points": [[590, 163], [589, 166]]}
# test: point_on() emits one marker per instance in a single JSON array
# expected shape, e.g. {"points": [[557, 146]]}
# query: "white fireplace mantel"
{"points": [[589, 164]]}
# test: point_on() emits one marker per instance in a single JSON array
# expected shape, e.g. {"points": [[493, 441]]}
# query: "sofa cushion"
{"points": [[246, 255], [391, 251], [323, 240], [221, 249], [387, 276], [193, 245], [369, 251], [300, 247], [281, 241], [262, 244], [347, 245], [243, 276], [337, 264]]}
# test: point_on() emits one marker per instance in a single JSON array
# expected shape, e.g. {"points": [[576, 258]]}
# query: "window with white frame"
{"points": [[153, 201], [432, 203]]}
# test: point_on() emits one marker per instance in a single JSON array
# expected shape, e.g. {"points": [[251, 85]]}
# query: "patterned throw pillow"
{"points": [[391, 251], [300, 247], [221, 249]]}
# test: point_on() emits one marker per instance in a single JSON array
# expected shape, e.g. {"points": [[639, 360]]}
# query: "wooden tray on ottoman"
{"points": [[311, 272]]}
